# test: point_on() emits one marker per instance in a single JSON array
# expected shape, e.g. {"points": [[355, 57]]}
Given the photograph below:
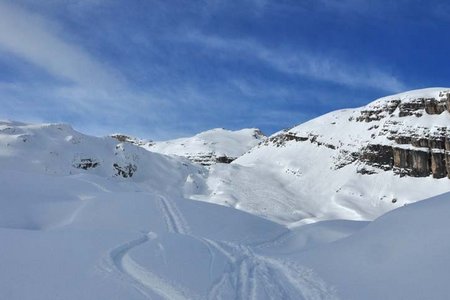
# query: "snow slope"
{"points": [[312, 172], [69, 232], [123, 241], [216, 145], [401, 255]]}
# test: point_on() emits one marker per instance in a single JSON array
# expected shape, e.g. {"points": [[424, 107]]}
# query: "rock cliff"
{"points": [[417, 151], [408, 133]]}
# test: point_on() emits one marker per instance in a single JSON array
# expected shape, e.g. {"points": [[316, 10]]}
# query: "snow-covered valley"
{"points": [[308, 213]]}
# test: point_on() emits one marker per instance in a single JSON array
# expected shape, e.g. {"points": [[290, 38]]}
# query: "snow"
{"points": [[434, 92], [216, 142], [305, 184], [72, 233], [401, 255], [136, 244], [72, 226]]}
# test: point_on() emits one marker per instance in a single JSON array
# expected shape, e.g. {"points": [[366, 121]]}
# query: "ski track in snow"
{"points": [[249, 275], [175, 220], [141, 278]]}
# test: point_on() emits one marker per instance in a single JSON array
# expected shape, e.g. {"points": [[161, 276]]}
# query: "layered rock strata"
{"points": [[413, 151]]}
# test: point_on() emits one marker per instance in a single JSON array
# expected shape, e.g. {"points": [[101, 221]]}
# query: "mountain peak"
{"points": [[217, 145]]}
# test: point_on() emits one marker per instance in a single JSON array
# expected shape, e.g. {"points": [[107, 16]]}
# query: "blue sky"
{"points": [[161, 69]]}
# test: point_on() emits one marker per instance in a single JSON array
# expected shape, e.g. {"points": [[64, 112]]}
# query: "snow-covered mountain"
{"points": [[95, 218], [57, 149], [83, 217], [358, 163], [213, 146]]}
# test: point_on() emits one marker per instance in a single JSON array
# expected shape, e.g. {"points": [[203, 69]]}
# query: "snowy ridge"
{"points": [[57, 149], [209, 147]]}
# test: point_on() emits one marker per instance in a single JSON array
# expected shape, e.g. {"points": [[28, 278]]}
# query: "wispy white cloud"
{"points": [[303, 63], [37, 40], [85, 88]]}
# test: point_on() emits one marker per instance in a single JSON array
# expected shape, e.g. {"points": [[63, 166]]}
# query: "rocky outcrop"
{"points": [[209, 159], [412, 156], [409, 150], [413, 107], [85, 163], [127, 139], [447, 163], [281, 139], [377, 112], [448, 102], [416, 163], [379, 156], [224, 159], [447, 142], [125, 171], [438, 164], [435, 107]]}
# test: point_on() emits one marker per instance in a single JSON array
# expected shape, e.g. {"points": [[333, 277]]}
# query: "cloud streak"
{"points": [[303, 63], [85, 90], [35, 39]]}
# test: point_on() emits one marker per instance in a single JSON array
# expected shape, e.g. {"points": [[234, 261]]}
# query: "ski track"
{"points": [[175, 220], [251, 276], [141, 278], [251, 273], [254, 277]]}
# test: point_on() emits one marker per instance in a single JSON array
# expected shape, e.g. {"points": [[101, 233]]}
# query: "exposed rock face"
{"points": [[447, 142], [209, 159], [85, 163], [224, 159], [379, 156], [376, 114], [127, 139], [416, 156], [435, 107], [411, 108], [413, 156], [415, 107], [447, 163], [402, 135], [448, 102], [281, 139], [438, 164], [414, 163], [125, 170], [413, 151]]}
